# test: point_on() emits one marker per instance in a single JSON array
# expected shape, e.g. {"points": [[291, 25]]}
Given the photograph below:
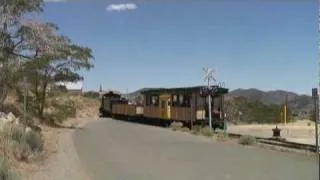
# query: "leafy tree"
{"points": [[22, 38], [48, 69]]}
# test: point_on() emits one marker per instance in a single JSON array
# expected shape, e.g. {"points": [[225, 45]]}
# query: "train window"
{"points": [[181, 98], [174, 100], [155, 100], [186, 102], [148, 100]]}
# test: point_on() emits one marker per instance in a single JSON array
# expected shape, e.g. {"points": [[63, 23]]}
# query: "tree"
{"points": [[22, 38], [251, 111], [46, 70]]}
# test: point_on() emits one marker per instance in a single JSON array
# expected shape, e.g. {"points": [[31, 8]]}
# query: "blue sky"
{"points": [[264, 44]]}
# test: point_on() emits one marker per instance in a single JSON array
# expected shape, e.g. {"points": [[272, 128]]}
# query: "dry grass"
{"points": [[302, 131]]}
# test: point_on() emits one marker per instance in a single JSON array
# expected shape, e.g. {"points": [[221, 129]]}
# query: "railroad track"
{"points": [[280, 143]]}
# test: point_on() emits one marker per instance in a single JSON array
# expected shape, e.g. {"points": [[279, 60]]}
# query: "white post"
{"points": [[209, 101], [208, 77]]}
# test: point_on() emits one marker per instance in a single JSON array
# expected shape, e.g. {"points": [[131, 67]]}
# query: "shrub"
{"points": [[5, 173], [207, 131], [196, 129], [92, 94], [15, 132], [21, 151], [222, 136], [34, 140], [23, 144], [184, 129], [60, 110], [176, 126], [247, 140]]}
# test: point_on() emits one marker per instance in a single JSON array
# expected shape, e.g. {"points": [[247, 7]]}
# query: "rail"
{"points": [[280, 142]]}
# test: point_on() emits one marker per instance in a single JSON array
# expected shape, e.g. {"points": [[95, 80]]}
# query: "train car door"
{"points": [[165, 105]]}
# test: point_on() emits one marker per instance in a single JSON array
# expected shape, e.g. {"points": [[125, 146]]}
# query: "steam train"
{"points": [[163, 106]]}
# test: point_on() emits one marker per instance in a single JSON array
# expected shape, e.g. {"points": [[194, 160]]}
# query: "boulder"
{"points": [[28, 129], [9, 118]]}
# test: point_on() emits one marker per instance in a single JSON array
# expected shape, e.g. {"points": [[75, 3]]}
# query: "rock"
{"points": [[10, 118], [2, 114], [28, 129], [17, 121]]}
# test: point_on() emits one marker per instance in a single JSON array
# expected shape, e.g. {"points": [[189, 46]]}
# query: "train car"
{"points": [[187, 105], [107, 100], [126, 111]]}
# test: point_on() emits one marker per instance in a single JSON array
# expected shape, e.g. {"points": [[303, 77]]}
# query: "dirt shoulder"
{"points": [[62, 161]]}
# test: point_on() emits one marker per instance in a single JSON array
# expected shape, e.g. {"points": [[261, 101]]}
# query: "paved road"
{"points": [[116, 150]]}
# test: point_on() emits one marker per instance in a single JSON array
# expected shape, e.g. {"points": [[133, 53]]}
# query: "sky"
{"points": [[263, 44]]}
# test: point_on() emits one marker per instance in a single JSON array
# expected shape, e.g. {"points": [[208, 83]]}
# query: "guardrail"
{"points": [[280, 142]]}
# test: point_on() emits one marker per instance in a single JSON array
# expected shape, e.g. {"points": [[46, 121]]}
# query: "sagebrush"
{"points": [[247, 140], [5, 172], [24, 144], [207, 131]]}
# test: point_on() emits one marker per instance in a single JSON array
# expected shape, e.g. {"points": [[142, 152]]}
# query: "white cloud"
{"points": [[121, 7]]}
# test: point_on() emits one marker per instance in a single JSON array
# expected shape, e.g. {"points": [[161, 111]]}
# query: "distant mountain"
{"points": [[297, 103]]}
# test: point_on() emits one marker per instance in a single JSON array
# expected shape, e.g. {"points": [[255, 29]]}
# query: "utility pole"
{"points": [[209, 75], [315, 97], [285, 110]]}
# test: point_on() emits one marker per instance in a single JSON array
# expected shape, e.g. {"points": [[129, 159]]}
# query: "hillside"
{"points": [[299, 104]]}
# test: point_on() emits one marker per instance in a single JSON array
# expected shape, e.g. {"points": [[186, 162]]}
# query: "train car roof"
{"points": [[182, 89]]}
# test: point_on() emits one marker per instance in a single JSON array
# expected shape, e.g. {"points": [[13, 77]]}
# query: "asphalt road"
{"points": [[117, 150]]}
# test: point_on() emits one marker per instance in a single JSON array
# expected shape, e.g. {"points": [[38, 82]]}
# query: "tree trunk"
{"points": [[43, 99], [3, 95]]}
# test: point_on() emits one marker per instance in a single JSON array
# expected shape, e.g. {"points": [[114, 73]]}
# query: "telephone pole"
{"points": [[209, 76]]}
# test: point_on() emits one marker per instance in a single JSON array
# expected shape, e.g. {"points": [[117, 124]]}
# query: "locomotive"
{"points": [[188, 105]]}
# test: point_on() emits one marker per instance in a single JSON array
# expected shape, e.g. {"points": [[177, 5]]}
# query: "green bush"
{"points": [[62, 111], [5, 173], [34, 140], [92, 94], [247, 140], [207, 131]]}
